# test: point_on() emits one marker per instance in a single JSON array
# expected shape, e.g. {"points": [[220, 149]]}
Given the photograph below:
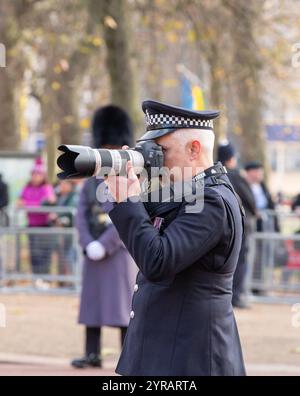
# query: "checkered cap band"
{"points": [[165, 120]]}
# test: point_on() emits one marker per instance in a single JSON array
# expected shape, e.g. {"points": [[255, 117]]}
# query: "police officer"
{"points": [[182, 321]]}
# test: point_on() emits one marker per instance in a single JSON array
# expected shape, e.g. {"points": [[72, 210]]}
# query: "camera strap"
{"points": [[214, 171]]}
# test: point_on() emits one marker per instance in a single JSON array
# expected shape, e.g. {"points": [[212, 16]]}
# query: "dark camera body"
{"points": [[152, 154]]}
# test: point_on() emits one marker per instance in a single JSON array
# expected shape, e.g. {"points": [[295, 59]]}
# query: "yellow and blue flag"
{"points": [[191, 95]]}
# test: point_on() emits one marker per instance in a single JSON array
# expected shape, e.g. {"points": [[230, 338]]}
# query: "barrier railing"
{"points": [[49, 258], [40, 258], [274, 257]]}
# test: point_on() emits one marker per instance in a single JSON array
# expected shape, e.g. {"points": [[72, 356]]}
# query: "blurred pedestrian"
{"points": [[296, 204], [296, 208], [263, 199], [4, 201], [226, 154], [35, 194], [109, 272], [265, 222]]}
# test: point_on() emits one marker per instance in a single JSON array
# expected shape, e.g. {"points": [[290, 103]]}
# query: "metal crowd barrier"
{"points": [[49, 258], [39, 258], [274, 258]]}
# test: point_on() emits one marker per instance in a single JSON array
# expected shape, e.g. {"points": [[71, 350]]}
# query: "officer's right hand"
{"points": [[122, 188]]}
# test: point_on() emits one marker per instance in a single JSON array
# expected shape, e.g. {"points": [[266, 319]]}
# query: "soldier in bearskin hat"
{"points": [[108, 269]]}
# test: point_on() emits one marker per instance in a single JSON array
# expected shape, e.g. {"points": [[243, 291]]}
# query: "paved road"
{"points": [[41, 337], [21, 369], [34, 370]]}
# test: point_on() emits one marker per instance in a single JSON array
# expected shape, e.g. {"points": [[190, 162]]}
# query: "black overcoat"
{"points": [[182, 321]]}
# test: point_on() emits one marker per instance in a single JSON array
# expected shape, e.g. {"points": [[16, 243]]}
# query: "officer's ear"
{"points": [[195, 149]]}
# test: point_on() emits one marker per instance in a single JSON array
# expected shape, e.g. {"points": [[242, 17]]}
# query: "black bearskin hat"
{"points": [[111, 125]]}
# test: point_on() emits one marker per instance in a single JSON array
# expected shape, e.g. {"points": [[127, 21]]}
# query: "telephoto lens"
{"points": [[82, 162]]}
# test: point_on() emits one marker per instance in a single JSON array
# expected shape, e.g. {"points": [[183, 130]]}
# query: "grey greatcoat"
{"points": [[107, 285]]}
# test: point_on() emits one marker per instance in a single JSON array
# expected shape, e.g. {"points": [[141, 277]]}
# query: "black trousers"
{"points": [[41, 247], [93, 339]]}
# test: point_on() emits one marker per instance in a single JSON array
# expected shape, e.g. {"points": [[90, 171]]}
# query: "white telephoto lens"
{"points": [[108, 162]]}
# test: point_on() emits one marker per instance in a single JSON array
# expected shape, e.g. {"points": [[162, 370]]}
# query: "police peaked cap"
{"points": [[162, 119]]}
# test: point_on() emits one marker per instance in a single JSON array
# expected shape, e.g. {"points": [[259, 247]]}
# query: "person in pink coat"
{"points": [[38, 192]]}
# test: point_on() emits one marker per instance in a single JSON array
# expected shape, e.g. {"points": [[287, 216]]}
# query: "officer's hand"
{"points": [[122, 188]]}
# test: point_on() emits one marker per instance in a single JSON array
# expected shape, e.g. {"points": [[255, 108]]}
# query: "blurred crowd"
{"points": [[248, 181], [36, 194]]}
